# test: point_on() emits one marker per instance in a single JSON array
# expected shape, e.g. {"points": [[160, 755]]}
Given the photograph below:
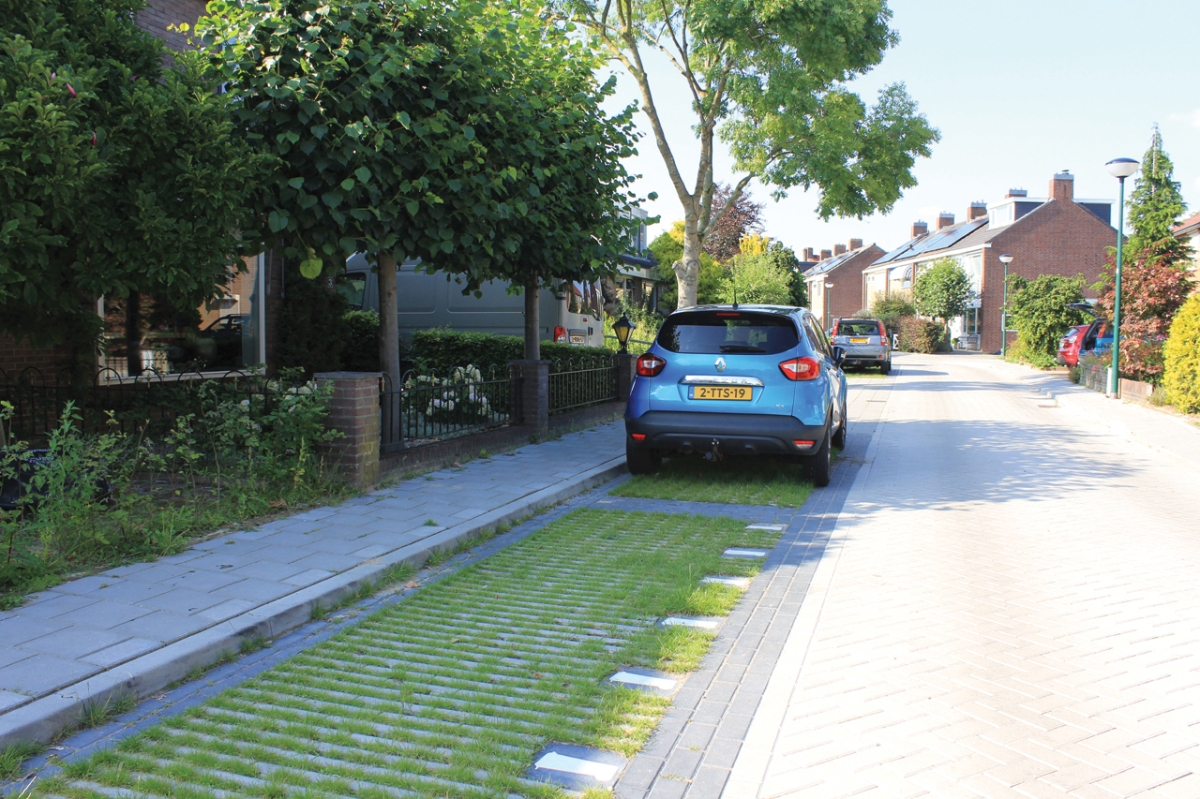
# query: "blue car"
{"points": [[723, 380]]}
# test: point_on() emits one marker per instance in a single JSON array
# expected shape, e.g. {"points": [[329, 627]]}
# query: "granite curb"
{"points": [[43, 719]]}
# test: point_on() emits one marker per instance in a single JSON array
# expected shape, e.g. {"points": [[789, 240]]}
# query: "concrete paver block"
{"points": [[162, 626], [181, 600], [42, 673], [202, 581], [73, 643], [117, 653], [104, 615], [50, 604], [17, 629]]}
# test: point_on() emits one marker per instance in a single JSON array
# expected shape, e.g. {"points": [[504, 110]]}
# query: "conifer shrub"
{"points": [[1181, 377]]}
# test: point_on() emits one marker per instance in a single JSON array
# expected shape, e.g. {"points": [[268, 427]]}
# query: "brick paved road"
{"points": [[1009, 607]]}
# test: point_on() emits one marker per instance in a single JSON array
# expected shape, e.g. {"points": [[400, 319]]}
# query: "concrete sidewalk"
{"points": [[1160, 430], [137, 628]]}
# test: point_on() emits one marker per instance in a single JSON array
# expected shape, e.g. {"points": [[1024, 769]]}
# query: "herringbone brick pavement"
{"points": [[1010, 608]]}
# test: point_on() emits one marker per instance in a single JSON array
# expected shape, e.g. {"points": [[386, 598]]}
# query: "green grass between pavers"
{"points": [[13, 756], [453, 691], [737, 481]]}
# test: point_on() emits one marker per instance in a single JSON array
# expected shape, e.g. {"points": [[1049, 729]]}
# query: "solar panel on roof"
{"points": [[960, 233]]}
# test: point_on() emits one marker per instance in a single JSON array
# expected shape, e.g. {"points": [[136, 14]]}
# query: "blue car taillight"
{"points": [[800, 368], [649, 365]]}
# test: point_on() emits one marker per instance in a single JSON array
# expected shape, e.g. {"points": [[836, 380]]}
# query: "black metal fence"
{"points": [[426, 408], [578, 384], [109, 402]]}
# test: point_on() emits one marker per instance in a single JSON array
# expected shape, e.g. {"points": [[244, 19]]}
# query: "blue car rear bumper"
{"points": [[728, 433]]}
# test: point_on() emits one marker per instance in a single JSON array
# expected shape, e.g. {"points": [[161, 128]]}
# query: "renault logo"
{"points": [[720, 364]]}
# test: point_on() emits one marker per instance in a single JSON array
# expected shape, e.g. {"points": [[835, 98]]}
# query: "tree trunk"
{"points": [[533, 343], [687, 271], [389, 333], [133, 334]]}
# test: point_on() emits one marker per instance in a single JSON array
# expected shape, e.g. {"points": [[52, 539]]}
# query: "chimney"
{"points": [[1062, 187], [839, 249], [976, 210], [945, 220], [855, 244], [1016, 193], [809, 255], [919, 229], [826, 255]]}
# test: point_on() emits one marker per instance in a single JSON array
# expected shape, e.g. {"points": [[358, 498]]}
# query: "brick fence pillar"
{"points": [[354, 410], [626, 363], [531, 394]]}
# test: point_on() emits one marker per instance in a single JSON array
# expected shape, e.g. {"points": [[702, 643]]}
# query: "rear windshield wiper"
{"points": [[740, 348]]}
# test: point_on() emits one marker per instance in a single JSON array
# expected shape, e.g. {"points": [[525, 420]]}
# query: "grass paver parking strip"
{"points": [[453, 691], [735, 481]]}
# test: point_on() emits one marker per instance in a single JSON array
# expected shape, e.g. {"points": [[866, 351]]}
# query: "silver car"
{"points": [[865, 342]]}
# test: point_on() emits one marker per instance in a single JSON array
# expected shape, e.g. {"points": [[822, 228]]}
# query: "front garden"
{"points": [[134, 472]]}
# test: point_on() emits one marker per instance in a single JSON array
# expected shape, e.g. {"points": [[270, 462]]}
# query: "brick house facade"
{"points": [[161, 15], [835, 284], [1189, 231], [1059, 235]]}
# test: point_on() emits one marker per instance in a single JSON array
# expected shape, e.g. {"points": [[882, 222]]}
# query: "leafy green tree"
{"points": [[366, 108], [569, 188], [757, 279], [429, 130], [1155, 206], [117, 175], [773, 78], [1040, 311], [942, 291], [890, 309]]}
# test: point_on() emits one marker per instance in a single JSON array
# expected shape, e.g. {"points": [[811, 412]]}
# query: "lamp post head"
{"points": [[828, 285], [622, 328], [1122, 168], [1006, 259]]}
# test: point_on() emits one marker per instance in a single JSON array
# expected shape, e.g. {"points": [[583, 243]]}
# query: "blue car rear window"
{"points": [[728, 332]]}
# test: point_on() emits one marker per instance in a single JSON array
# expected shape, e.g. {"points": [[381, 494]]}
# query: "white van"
{"points": [[573, 315]]}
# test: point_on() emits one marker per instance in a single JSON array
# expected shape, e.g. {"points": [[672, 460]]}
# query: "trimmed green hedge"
{"points": [[441, 349], [360, 352]]}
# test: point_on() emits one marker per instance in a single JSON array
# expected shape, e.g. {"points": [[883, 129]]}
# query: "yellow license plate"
{"points": [[721, 392], [858, 340]]}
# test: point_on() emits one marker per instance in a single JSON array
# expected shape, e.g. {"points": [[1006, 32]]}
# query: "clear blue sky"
{"points": [[1019, 90]]}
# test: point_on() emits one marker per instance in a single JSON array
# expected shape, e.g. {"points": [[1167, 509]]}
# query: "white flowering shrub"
{"points": [[457, 399]]}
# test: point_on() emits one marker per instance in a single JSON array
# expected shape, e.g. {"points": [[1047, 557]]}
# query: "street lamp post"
{"points": [[828, 302], [1005, 259], [1119, 168]]}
